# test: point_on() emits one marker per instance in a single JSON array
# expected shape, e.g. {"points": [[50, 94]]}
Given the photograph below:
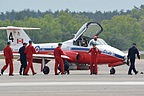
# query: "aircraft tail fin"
{"points": [[17, 36]]}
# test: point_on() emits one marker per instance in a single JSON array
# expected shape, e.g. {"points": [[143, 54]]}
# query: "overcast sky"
{"points": [[72, 5]]}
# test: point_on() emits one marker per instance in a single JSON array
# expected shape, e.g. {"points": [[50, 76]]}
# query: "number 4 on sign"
{"points": [[11, 37]]}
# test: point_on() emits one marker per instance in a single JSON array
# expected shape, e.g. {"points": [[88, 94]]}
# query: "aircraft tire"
{"points": [[112, 71], [46, 70]]}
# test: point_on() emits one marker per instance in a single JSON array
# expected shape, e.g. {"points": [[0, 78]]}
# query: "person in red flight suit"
{"points": [[29, 51], [8, 59], [58, 60], [93, 62]]}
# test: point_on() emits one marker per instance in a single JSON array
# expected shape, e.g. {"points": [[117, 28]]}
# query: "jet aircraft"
{"points": [[75, 53]]}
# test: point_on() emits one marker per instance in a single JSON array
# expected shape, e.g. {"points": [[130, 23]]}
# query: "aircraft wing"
{"points": [[48, 56], [40, 56], [43, 56]]}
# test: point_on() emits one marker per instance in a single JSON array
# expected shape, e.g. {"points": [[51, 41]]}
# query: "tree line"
{"points": [[121, 28]]}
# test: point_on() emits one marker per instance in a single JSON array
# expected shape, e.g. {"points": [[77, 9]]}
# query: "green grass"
{"points": [[1, 57]]}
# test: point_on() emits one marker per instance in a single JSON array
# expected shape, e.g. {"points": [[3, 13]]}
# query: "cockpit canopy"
{"points": [[87, 32]]}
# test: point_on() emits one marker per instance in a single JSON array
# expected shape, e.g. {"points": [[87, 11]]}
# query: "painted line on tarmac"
{"points": [[70, 83]]}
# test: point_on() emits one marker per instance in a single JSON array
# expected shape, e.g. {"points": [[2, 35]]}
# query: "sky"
{"points": [[72, 5]]}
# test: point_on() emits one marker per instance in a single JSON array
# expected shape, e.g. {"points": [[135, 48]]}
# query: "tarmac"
{"points": [[77, 83]]}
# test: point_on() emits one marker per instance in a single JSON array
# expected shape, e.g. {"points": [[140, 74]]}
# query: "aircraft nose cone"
{"points": [[116, 52]]}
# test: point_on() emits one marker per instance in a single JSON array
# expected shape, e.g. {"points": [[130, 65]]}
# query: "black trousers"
{"points": [[23, 65], [66, 66], [132, 66]]}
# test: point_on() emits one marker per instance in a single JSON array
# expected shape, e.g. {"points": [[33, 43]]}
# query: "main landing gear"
{"points": [[46, 70], [112, 71]]}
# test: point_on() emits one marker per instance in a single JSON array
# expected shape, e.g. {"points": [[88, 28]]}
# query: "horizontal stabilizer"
{"points": [[17, 28]]}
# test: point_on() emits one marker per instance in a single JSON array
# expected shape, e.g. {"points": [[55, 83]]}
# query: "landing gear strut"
{"points": [[112, 71]]}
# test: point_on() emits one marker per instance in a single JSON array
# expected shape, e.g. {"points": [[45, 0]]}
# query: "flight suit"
{"points": [[23, 60], [131, 55], [93, 61], [58, 60], [91, 42], [8, 59], [29, 50]]}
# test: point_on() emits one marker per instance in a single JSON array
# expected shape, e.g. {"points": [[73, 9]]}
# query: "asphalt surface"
{"points": [[77, 83]]}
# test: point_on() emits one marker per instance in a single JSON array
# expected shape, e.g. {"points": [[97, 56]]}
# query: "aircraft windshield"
{"points": [[101, 42]]}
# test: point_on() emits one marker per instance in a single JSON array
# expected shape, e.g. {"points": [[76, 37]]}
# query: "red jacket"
{"points": [[94, 51], [8, 52], [58, 52], [29, 51]]}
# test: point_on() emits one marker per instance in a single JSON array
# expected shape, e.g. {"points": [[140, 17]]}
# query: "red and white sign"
{"points": [[19, 41]]}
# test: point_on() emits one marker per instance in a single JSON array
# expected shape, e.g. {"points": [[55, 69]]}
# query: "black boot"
{"points": [[2, 71]]}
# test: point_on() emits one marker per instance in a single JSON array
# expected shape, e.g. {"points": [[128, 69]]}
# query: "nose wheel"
{"points": [[112, 71]]}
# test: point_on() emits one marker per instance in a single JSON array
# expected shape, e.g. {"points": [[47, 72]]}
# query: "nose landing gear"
{"points": [[112, 71]]}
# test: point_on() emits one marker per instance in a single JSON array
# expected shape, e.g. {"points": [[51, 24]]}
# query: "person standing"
{"points": [[58, 60], [23, 59], [29, 51], [131, 55], [93, 41], [8, 59], [93, 61]]}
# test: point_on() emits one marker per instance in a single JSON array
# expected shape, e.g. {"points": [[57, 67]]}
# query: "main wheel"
{"points": [[112, 71], [46, 70]]}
